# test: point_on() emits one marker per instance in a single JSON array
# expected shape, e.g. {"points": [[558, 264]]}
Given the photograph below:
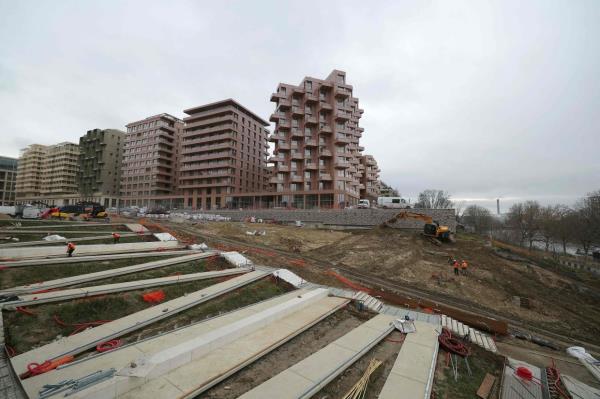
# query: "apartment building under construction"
{"points": [[370, 186], [317, 151], [149, 172], [47, 173], [223, 156]]}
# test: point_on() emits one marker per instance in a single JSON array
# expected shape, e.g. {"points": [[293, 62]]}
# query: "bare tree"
{"points": [[516, 221], [478, 217], [587, 219], [560, 227], [434, 199]]}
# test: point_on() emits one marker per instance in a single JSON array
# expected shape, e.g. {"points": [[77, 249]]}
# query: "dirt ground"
{"points": [[561, 301], [292, 352]]}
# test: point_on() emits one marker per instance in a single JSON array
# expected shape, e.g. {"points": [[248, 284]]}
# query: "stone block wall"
{"points": [[345, 217]]}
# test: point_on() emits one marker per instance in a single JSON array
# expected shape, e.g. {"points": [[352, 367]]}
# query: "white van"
{"points": [[364, 204], [392, 202]]}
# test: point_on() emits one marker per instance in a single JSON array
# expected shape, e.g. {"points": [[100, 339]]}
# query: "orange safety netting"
{"points": [[154, 296]]}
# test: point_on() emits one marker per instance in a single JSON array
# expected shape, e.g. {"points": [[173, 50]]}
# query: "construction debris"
{"points": [[486, 386], [359, 390]]}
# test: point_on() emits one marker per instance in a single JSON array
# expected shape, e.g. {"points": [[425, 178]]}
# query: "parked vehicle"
{"points": [[84, 209], [392, 202], [364, 204], [8, 210]]}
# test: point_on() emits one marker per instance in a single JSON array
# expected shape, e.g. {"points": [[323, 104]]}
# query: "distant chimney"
{"points": [[498, 206]]}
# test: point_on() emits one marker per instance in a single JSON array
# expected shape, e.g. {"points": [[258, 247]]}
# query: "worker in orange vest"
{"points": [[456, 266], [70, 249], [463, 266], [116, 237]]}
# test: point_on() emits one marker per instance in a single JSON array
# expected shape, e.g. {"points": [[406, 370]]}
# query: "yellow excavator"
{"points": [[431, 229]]}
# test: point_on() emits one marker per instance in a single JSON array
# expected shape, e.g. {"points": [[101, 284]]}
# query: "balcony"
{"points": [[283, 124], [274, 158], [325, 153], [283, 146], [297, 110], [297, 155], [310, 166], [341, 164], [312, 98], [298, 89], [309, 119], [361, 148], [342, 115], [283, 103], [325, 105], [341, 139], [275, 180], [208, 139], [283, 168], [275, 116], [276, 96], [297, 132], [342, 91], [296, 179], [310, 143], [325, 129], [325, 177]]}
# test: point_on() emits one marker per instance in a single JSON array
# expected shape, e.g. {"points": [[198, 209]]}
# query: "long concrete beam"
{"points": [[45, 231], [84, 278], [87, 339], [210, 369], [65, 295], [91, 258], [309, 376], [413, 370], [72, 239], [93, 249]]}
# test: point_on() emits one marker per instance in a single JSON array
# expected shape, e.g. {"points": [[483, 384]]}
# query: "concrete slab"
{"points": [[194, 378], [94, 249], [120, 357], [105, 236], [92, 258], [87, 339], [411, 376], [136, 227], [307, 377], [82, 278], [65, 295]]}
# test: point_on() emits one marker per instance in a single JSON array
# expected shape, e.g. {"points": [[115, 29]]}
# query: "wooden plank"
{"points": [[486, 386]]}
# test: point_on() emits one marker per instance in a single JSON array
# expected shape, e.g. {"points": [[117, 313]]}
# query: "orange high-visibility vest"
{"points": [[116, 235], [70, 246], [464, 265]]}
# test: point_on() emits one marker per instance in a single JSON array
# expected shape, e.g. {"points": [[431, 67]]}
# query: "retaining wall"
{"points": [[344, 217]]}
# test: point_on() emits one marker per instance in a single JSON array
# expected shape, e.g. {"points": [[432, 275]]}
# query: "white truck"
{"points": [[364, 204], [392, 202]]}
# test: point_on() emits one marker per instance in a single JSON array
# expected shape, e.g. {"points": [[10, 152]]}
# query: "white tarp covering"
{"points": [[164, 237], [236, 259], [54, 237], [289, 277], [588, 360], [198, 247], [578, 389]]}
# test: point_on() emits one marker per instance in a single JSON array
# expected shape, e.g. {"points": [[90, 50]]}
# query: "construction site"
{"points": [[346, 305]]}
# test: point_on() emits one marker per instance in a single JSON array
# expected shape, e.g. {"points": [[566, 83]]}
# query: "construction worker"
{"points": [[463, 267], [456, 267], [70, 249], [116, 237]]}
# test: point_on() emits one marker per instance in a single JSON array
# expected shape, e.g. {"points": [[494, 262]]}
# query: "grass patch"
{"points": [[195, 266], [16, 276], [247, 295], [24, 332], [480, 361]]}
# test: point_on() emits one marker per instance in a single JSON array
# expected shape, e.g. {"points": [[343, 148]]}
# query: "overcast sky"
{"points": [[482, 99]]}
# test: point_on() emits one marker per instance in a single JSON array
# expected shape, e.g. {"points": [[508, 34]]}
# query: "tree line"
{"points": [[529, 222]]}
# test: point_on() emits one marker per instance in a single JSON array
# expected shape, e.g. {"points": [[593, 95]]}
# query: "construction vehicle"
{"points": [[431, 229], [84, 210]]}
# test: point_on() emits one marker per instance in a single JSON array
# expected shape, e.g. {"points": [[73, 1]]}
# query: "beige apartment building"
{"points": [[317, 152], [150, 161], [100, 157], [48, 173], [8, 179], [223, 160], [370, 186]]}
